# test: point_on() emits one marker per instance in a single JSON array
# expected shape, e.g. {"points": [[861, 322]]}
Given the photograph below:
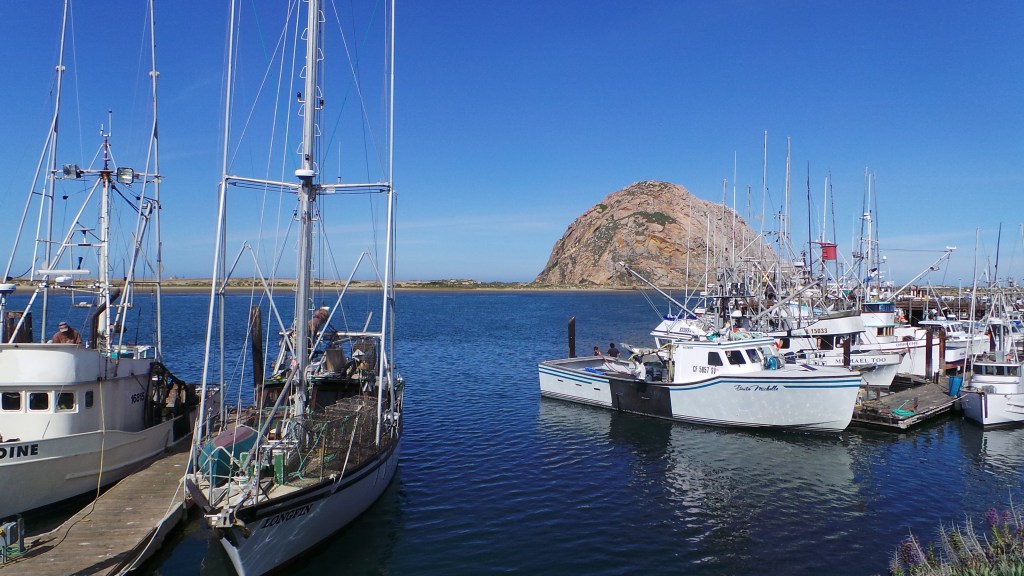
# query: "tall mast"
{"points": [[386, 335], [154, 143], [764, 180], [50, 193], [106, 175], [307, 198], [785, 219]]}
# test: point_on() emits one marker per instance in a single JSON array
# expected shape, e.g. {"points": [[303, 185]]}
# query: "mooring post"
{"points": [[942, 355], [928, 361], [572, 337]]}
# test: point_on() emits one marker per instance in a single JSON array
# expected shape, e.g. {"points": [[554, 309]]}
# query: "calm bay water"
{"points": [[495, 479]]}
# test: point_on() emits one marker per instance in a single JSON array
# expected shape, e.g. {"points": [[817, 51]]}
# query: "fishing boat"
{"points": [[313, 441], [81, 411], [835, 339], [994, 392], [701, 373]]}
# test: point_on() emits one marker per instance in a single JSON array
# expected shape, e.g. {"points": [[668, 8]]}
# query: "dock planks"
{"points": [[126, 525], [927, 400]]}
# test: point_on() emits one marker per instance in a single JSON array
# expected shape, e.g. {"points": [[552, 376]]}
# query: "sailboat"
{"points": [[315, 441], [79, 411]]}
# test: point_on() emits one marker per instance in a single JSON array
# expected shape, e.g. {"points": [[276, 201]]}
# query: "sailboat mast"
{"points": [[51, 185], [386, 335], [307, 198], [155, 169]]}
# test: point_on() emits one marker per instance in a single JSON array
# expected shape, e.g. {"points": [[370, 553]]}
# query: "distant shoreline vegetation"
{"points": [[176, 284]]}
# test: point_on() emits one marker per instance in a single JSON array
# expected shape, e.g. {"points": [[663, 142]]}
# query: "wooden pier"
{"points": [[911, 401], [116, 532]]}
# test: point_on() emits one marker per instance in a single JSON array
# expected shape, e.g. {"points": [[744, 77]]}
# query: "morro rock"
{"points": [[660, 229]]}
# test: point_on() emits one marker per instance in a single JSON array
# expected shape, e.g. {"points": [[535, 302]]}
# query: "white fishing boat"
{"points": [[835, 339], [720, 376], [923, 353], [314, 443], [994, 392], [78, 412], [961, 344]]}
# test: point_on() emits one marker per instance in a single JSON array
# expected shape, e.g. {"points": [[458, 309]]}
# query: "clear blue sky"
{"points": [[514, 117]]}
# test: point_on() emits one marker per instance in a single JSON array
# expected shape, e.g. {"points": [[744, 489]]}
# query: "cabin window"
{"points": [[1013, 370], [754, 356], [88, 398], [736, 357], [11, 401], [65, 401], [887, 331], [714, 359], [38, 400]]}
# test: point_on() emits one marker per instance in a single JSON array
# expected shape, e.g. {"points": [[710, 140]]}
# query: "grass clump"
{"points": [[965, 550]]}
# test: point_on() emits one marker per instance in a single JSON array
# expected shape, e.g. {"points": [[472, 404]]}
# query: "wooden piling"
{"points": [[572, 337]]}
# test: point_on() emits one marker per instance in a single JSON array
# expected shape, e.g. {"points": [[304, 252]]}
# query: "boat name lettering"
{"points": [[19, 451], [757, 388], [286, 516], [706, 369]]}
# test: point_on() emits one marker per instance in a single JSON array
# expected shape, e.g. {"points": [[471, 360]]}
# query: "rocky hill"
{"points": [[653, 227]]}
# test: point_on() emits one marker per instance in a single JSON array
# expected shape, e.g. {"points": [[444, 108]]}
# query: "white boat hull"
{"points": [[915, 360], [271, 538], [53, 452], [799, 397], [878, 370], [992, 409], [42, 472]]}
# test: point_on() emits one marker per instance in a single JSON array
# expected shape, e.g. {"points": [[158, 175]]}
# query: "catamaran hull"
{"points": [[281, 531], [42, 472], [798, 399]]}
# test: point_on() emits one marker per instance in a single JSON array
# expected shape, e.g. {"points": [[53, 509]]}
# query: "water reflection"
{"points": [[1000, 450], [720, 500]]}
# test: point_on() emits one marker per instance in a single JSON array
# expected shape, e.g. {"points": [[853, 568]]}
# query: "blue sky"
{"points": [[514, 117]]}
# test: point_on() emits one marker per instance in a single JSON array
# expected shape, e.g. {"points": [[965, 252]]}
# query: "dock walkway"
{"points": [[118, 530], [913, 401]]}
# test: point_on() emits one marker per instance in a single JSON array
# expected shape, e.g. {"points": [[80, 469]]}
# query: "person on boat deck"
{"points": [[612, 350], [319, 319], [66, 335], [597, 351]]}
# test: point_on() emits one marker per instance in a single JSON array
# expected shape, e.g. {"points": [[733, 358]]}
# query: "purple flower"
{"points": [[992, 516], [910, 551]]}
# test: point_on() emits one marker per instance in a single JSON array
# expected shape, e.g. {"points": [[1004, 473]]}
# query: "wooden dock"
{"points": [[912, 401], [116, 532]]}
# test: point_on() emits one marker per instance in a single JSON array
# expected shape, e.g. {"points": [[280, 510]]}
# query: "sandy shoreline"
{"points": [[194, 286]]}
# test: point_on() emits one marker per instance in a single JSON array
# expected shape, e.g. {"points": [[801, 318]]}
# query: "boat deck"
{"points": [[913, 401], [117, 531]]}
